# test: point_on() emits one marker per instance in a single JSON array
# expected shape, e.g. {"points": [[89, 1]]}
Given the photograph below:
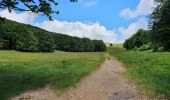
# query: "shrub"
{"points": [[145, 47]]}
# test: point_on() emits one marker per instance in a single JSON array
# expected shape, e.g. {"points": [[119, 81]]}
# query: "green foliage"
{"points": [[45, 42], [23, 37], [111, 44], [76, 45], [142, 37], [150, 70], [3, 44], [36, 6], [159, 29], [145, 47], [99, 45], [7, 33], [160, 24], [20, 72], [88, 45], [26, 42], [61, 41]]}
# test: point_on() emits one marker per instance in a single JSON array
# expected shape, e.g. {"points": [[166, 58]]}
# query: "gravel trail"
{"points": [[106, 83]]}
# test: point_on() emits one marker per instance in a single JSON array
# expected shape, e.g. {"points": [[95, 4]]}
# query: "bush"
{"points": [[135, 49], [145, 47]]}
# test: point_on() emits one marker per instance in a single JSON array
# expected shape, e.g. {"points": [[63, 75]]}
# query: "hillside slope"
{"points": [[23, 37]]}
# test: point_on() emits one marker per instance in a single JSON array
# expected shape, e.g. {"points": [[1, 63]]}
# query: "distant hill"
{"points": [[24, 37]]}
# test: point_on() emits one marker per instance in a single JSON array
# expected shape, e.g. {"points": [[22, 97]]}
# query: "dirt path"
{"points": [[107, 83]]}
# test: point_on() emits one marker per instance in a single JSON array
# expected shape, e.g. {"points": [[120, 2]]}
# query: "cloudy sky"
{"points": [[109, 20]]}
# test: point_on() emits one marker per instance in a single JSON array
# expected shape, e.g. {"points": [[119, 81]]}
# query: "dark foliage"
{"points": [[76, 45], [8, 34], [45, 42], [88, 45], [29, 38], [158, 37], [36, 6], [26, 41], [111, 44], [160, 25], [99, 45], [137, 40]]}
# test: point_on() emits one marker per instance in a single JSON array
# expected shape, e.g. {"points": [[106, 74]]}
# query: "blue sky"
{"points": [[106, 12], [109, 20]]}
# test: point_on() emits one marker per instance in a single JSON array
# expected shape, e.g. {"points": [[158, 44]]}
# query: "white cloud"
{"points": [[145, 7], [26, 17], [89, 3], [80, 29], [125, 33]]}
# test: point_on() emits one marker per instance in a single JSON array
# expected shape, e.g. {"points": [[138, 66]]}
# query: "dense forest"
{"points": [[27, 38], [157, 37]]}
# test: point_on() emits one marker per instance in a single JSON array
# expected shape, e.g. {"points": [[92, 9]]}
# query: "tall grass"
{"points": [[149, 69]]}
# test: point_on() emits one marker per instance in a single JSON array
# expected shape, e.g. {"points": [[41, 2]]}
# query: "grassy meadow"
{"points": [[151, 70], [21, 71]]}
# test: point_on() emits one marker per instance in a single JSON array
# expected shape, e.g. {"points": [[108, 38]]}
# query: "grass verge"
{"points": [[23, 71], [148, 69]]}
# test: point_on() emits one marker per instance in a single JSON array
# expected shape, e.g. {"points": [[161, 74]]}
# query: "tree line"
{"points": [[139, 41], [158, 36], [27, 38]]}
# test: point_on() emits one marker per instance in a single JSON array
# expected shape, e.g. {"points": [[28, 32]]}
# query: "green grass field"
{"points": [[151, 70], [23, 71]]}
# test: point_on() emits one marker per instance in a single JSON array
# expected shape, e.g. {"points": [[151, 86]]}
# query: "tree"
{"points": [[140, 38], [36, 6], [45, 42], [8, 32], [22, 37], [160, 24], [111, 44], [99, 46], [26, 42], [88, 45], [76, 45], [3, 43], [61, 41]]}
